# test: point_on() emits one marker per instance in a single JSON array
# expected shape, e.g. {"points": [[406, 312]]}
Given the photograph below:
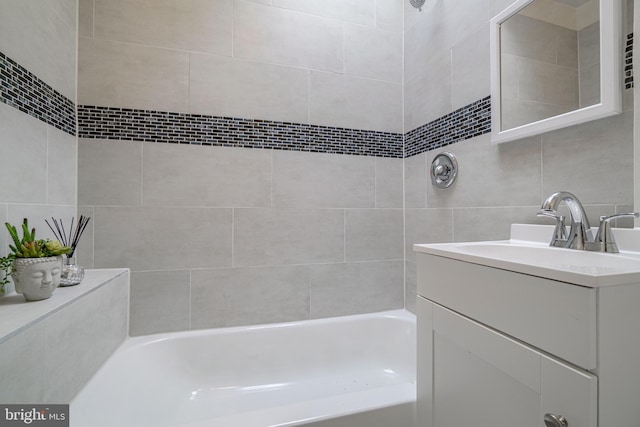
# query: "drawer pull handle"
{"points": [[551, 420]]}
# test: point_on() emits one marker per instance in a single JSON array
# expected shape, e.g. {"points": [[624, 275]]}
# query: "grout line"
{"points": [[344, 236], [93, 20], [190, 306], [47, 169], [233, 228], [142, 175]]}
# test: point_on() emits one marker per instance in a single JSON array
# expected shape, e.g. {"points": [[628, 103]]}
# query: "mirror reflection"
{"points": [[549, 60]]}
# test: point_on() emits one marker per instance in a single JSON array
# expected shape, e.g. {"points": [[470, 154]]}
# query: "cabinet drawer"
{"points": [[481, 377], [556, 317]]}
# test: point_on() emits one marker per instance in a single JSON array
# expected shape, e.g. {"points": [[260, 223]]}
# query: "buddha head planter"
{"points": [[36, 278]]}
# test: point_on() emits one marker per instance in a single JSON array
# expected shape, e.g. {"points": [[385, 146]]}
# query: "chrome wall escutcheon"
{"points": [[444, 170], [552, 420]]}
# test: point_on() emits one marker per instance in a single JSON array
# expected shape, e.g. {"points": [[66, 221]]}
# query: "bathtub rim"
{"points": [[397, 314]]}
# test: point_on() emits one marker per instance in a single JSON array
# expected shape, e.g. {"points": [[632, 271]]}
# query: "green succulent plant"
{"points": [[27, 247]]}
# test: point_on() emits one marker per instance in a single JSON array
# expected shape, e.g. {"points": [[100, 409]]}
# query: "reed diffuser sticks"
{"points": [[70, 237]]}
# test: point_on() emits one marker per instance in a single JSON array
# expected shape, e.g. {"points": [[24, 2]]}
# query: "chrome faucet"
{"points": [[579, 229], [579, 235]]}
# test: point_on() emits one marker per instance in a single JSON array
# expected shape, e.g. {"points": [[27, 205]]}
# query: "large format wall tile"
{"points": [[193, 25], [389, 183], [26, 168], [426, 226], [84, 250], [492, 223], [356, 11], [82, 336], [390, 15], [470, 69], [373, 53], [416, 176], [160, 302], [373, 234], [116, 74], [346, 101], [229, 87], [410, 286], [85, 18], [351, 288], [287, 236], [490, 175], [304, 180], [110, 172], [62, 167], [162, 239], [245, 296], [280, 36], [25, 349], [428, 96], [41, 36], [36, 214], [51, 359], [176, 175], [593, 160]]}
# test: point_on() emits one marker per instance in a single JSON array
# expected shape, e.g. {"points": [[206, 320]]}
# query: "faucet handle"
{"points": [[560, 232], [604, 238]]}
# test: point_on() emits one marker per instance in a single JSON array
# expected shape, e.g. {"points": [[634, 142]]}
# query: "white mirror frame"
{"points": [[610, 76]]}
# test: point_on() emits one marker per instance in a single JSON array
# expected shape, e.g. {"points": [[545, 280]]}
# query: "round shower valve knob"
{"points": [[552, 420], [444, 170]]}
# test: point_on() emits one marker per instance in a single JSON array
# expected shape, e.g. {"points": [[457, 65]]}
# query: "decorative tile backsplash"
{"points": [[21, 89], [185, 128], [628, 62], [464, 123]]}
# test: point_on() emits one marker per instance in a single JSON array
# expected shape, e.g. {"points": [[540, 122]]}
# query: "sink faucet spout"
{"points": [[579, 230]]}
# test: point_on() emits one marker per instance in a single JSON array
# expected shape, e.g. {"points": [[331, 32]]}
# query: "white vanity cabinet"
{"points": [[501, 348], [483, 378]]}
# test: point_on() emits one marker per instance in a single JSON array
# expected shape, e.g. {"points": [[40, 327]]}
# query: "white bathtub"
{"points": [[340, 372]]}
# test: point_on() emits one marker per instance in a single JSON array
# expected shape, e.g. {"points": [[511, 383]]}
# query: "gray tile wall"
{"points": [[38, 168], [275, 235], [503, 184], [333, 64], [219, 236]]}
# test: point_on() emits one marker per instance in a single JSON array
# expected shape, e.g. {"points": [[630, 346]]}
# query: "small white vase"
{"points": [[36, 278]]}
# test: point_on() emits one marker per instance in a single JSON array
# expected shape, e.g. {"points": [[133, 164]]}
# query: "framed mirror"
{"points": [[554, 63]]}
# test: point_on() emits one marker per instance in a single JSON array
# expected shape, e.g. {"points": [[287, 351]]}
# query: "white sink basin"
{"points": [[584, 268]]}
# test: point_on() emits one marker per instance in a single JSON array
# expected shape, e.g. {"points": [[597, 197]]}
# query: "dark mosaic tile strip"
{"points": [[20, 89], [184, 128], [464, 123], [628, 62]]}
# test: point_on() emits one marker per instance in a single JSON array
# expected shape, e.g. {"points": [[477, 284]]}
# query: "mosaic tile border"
{"points": [[184, 128], [628, 62], [21, 89], [464, 123]]}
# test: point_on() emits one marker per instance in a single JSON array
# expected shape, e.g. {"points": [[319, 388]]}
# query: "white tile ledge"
{"points": [[16, 314]]}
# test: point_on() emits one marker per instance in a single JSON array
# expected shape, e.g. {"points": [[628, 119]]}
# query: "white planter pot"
{"points": [[36, 278]]}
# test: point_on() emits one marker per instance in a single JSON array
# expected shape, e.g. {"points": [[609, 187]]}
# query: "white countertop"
{"points": [[17, 314], [528, 252]]}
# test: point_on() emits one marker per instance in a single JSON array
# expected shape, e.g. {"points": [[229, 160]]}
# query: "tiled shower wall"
{"points": [[503, 184], [219, 235], [38, 161]]}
